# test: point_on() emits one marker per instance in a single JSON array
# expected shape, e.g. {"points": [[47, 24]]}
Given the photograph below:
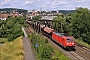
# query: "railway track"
{"points": [[83, 47], [83, 52], [28, 30], [74, 55], [77, 56]]}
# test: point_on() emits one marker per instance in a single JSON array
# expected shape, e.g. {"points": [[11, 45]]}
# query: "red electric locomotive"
{"points": [[64, 40]]}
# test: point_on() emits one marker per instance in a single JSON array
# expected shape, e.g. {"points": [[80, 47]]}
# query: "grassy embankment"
{"points": [[12, 50], [45, 51], [82, 43], [3, 40]]}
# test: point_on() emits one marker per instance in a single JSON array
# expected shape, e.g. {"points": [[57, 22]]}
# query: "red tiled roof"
{"points": [[3, 15], [15, 15]]}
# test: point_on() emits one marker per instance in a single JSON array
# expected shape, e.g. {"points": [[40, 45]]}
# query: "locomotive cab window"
{"points": [[70, 39]]}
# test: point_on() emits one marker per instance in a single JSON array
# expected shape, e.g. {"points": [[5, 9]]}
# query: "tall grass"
{"points": [[3, 40], [12, 50]]}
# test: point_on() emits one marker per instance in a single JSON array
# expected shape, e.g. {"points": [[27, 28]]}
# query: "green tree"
{"points": [[59, 23], [80, 24], [67, 25], [36, 18], [2, 29], [11, 28]]}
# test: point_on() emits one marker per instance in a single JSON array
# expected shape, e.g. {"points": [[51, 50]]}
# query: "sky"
{"points": [[45, 4]]}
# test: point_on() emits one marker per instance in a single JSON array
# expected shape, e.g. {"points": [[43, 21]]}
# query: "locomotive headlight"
{"points": [[67, 43], [73, 43]]}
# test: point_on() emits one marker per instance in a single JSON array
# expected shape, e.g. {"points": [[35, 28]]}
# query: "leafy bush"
{"points": [[59, 56], [46, 41], [44, 50]]}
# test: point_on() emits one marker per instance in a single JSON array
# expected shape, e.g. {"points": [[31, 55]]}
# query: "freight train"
{"points": [[66, 41]]}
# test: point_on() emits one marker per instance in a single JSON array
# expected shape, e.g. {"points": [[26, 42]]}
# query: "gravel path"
{"points": [[28, 50], [1, 44], [29, 55]]}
